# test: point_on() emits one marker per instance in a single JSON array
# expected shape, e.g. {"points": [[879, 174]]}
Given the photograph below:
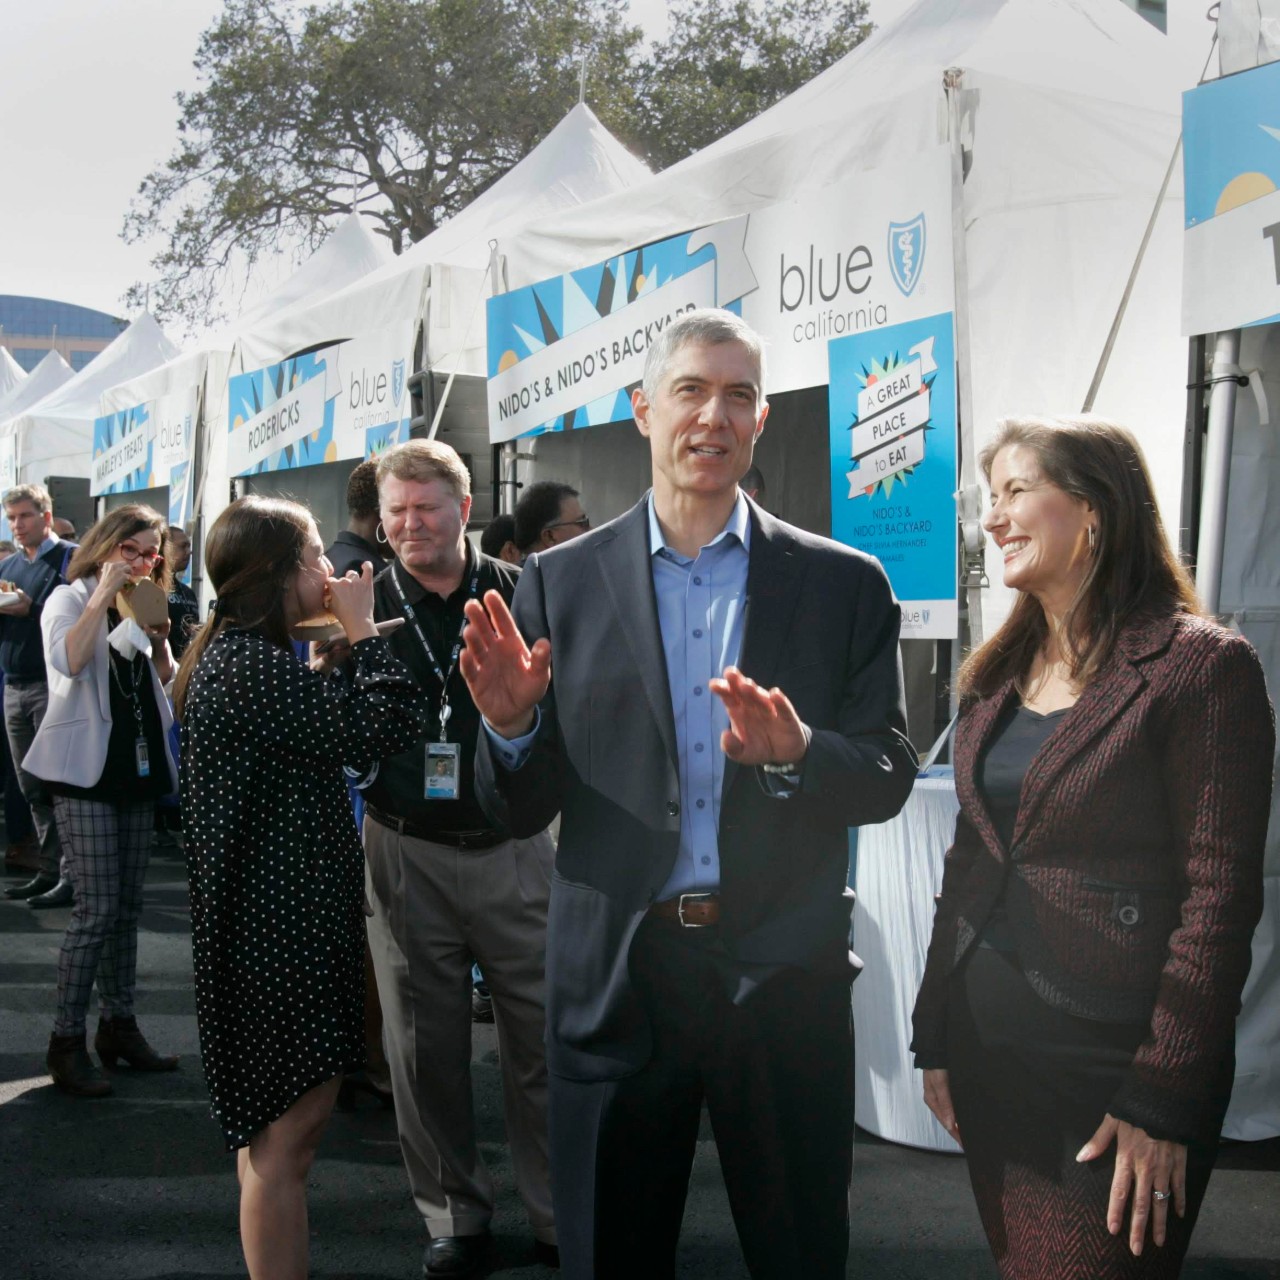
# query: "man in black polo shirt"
{"points": [[34, 570], [184, 605], [447, 889], [358, 542]]}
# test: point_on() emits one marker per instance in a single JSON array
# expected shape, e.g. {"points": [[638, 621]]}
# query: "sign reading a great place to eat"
{"points": [[871, 251], [892, 401], [347, 400], [1231, 164]]}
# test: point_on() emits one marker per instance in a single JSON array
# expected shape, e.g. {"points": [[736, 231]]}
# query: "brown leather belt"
{"points": [[483, 839], [690, 910]]}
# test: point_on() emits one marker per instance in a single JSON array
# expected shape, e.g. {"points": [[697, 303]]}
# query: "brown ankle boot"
{"points": [[120, 1038], [72, 1069]]}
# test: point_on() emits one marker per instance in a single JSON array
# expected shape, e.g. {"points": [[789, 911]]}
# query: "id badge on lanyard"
{"points": [[442, 764]]}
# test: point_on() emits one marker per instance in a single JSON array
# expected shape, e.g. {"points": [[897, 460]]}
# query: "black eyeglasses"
{"points": [[583, 522]]}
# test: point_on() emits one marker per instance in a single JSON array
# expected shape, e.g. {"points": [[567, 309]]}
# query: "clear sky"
{"points": [[87, 109]]}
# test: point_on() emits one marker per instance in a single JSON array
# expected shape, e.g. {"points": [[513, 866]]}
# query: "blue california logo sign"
{"points": [[906, 253], [397, 381]]}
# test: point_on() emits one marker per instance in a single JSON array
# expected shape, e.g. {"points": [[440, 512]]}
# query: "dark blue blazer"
{"points": [[822, 624]]}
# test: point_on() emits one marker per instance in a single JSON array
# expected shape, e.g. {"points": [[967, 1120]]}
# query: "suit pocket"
{"points": [[1133, 905], [590, 1006]]}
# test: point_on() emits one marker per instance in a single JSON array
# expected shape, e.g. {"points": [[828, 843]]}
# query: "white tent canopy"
{"points": [[1070, 117], [55, 436], [12, 374], [577, 162], [43, 380]]}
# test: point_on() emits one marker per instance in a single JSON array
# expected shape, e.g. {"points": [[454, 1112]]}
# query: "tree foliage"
{"points": [[725, 61], [408, 109]]}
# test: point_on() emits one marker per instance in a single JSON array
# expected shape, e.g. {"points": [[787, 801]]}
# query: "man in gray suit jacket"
{"points": [[726, 702]]}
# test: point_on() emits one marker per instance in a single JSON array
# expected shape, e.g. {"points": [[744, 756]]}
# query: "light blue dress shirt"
{"points": [[702, 608]]}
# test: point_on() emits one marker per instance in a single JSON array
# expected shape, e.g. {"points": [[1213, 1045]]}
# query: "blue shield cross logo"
{"points": [[906, 253], [397, 380]]}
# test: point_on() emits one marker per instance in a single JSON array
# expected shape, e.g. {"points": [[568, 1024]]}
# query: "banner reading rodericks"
{"points": [[1231, 159], [872, 251], [348, 400], [137, 448], [893, 463]]}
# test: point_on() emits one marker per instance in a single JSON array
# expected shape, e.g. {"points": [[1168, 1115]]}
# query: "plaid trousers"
{"points": [[107, 848]]}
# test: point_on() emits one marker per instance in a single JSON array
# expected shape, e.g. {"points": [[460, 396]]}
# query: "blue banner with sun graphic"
{"points": [[565, 352], [892, 399], [122, 451], [348, 400], [1231, 169]]}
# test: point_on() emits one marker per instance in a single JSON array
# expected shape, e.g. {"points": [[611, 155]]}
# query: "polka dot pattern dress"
{"points": [[276, 866]]}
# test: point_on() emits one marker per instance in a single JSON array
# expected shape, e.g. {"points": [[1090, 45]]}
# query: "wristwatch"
{"points": [[773, 767]]}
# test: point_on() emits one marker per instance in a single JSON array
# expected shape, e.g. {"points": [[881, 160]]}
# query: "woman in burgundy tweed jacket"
{"points": [[1113, 764]]}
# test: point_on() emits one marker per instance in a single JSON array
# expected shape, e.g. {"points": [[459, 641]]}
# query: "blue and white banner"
{"points": [[136, 448], [892, 398], [348, 400], [1231, 166], [869, 252]]}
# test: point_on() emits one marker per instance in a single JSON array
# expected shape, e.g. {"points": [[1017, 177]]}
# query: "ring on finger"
{"points": [[1160, 1195]]}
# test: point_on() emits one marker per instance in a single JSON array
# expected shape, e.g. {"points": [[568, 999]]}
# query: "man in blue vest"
{"points": [[29, 576]]}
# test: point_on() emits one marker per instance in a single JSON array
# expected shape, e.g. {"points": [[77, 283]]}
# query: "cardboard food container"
{"points": [[144, 602], [324, 626]]}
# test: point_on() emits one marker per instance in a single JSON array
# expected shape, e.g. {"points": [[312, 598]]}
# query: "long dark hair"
{"points": [[252, 550], [105, 535], [1132, 572]]}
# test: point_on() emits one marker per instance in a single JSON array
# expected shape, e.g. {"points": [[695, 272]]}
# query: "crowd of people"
{"points": [[600, 780]]}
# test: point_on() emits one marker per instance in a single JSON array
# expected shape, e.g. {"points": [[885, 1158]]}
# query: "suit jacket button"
{"points": [[673, 810], [1129, 914]]}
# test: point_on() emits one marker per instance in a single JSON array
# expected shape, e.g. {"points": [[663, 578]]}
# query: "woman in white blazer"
{"points": [[103, 750]]}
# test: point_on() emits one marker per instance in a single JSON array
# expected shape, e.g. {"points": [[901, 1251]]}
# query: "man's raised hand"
{"points": [[763, 725], [507, 679]]}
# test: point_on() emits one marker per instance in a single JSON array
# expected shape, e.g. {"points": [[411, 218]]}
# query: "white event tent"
{"points": [[43, 380], [439, 281], [1067, 114], [55, 436], [12, 374], [348, 253]]}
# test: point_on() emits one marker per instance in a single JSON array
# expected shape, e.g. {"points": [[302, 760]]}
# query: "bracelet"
{"points": [[772, 767]]}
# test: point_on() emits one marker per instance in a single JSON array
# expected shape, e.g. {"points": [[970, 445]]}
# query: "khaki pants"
{"points": [[435, 910]]}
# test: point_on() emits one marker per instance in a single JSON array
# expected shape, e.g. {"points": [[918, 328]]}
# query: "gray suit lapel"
{"points": [[628, 578]]}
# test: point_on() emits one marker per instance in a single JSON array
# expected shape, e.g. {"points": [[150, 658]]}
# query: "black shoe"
{"points": [[546, 1255], [481, 1004], [61, 895], [120, 1038], [72, 1069], [41, 884], [456, 1256]]}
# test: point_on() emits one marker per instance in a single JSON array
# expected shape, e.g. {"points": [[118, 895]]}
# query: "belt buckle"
{"points": [[697, 897]]}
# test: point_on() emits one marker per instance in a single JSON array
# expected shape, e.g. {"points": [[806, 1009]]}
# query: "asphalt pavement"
{"points": [[137, 1186]]}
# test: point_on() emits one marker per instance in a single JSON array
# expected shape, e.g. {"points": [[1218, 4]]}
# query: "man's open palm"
{"points": [[507, 679]]}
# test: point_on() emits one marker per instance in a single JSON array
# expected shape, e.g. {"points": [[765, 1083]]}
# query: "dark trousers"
{"points": [[25, 702], [1030, 1085], [776, 1076]]}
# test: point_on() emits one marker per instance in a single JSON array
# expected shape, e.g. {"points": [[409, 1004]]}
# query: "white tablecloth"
{"points": [[899, 869]]}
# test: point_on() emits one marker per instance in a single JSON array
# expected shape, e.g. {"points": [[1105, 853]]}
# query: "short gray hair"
{"points": [[705, 326], [36, 494]]}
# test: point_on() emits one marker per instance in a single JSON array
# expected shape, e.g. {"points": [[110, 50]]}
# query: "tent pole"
{"points": [[1217, 468], [969, 499]]}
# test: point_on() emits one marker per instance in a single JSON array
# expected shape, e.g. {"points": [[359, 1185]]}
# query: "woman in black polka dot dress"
{"points": [[274, 857]]}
